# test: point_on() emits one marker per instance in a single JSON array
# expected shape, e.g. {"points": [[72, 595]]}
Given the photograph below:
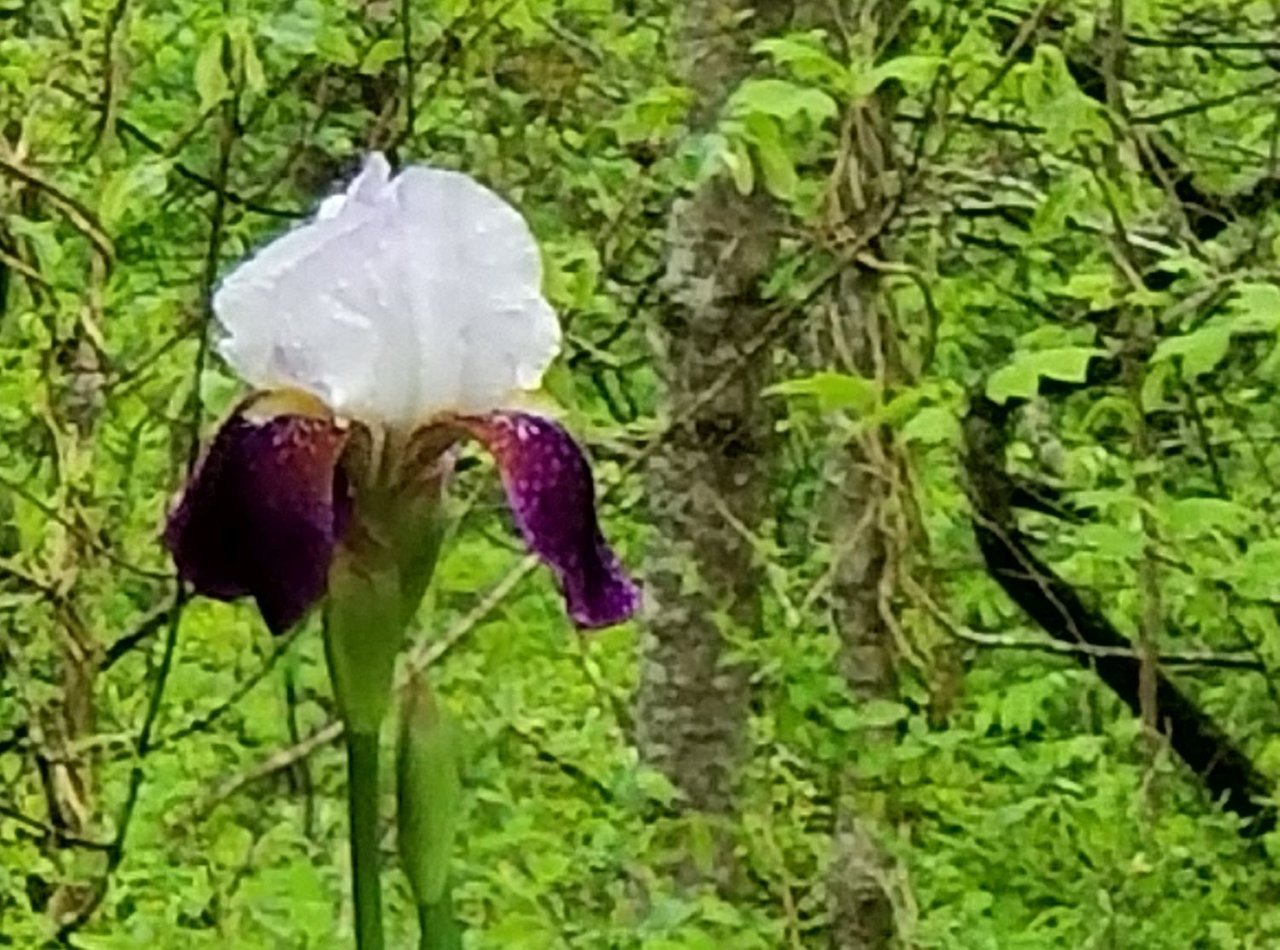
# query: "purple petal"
{"points": [[262, 513], [552, 495]]}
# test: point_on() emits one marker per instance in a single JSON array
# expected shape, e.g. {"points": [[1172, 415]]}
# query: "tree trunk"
{"points": [[708, 481], [865, 518], [865, 553]]}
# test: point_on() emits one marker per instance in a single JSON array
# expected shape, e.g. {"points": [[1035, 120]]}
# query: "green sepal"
{"points": [[363, 631], [378, 577]]}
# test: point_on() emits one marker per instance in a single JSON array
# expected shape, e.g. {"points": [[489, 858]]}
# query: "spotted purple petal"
{"points": [[552, 495], [262, 513]]}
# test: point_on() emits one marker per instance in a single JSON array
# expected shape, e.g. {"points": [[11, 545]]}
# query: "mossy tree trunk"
{"points": [[708, 482]]}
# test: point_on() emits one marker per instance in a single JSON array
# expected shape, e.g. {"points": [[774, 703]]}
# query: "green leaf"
{"points": [[879, 713], [912, 71], [741, 169], [379, 54], [652, 784], [211, 80], [1111, 541], [705, 154], [845, 719], [782, 100], [1052, 336], [148, 178], [255, 77], [1097, 287], [899, 409], [333, 45], [1152, 395], [1020, 705], [1256, 307], [779, 173], [932, 425], [702, 843], [1021, 378], [1257, 573], [654, 114], [832, 391], [1200, 350], [1200, 516], [804, 54], [1054, 100], [43, 237]]}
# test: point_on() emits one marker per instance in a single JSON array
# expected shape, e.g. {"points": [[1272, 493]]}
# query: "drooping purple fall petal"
{"points": [[262, 513], [552, 495]]}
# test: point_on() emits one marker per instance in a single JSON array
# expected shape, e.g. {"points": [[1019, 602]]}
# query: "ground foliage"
{"points": [[1082, 229]]}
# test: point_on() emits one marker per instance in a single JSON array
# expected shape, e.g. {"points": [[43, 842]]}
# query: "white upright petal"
{"points": [[405, 297]]}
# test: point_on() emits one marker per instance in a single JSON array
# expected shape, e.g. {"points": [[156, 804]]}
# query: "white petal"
{"points": [[367, 187], [404, 298]]}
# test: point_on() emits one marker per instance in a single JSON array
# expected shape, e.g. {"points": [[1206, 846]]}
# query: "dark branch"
{"points": [[1056, 606]]}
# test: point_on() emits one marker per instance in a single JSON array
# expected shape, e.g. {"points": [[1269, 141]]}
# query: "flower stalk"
{"points": [[377, 578], [366, 863], [437, 929], [362, 635]]}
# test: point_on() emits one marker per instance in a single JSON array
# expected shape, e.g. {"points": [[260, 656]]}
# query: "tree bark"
{"points": [[865, 552], [707, 483]]}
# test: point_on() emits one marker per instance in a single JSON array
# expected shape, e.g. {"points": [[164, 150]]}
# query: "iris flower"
{"points": [[407, 315]]}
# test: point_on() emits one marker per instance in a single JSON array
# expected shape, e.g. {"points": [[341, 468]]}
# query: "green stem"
{"points": [[437, 930], [362, 798]]}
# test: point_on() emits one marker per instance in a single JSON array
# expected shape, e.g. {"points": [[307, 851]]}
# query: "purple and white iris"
{"points": [[408, 312]]}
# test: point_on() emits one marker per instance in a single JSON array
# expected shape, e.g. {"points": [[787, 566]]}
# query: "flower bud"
{"points": [[429, 792]]}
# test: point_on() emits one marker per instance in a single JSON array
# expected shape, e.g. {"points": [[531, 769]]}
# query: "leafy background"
{"points": [[146, 146]]}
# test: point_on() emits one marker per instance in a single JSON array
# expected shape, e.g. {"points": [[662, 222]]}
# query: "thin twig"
{"points": [[78, 216], [276, 762], [1201, 42], [1204, 105], [45, 830], [1200, 658], [26, 270], [202, 722], [152, 621]]}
